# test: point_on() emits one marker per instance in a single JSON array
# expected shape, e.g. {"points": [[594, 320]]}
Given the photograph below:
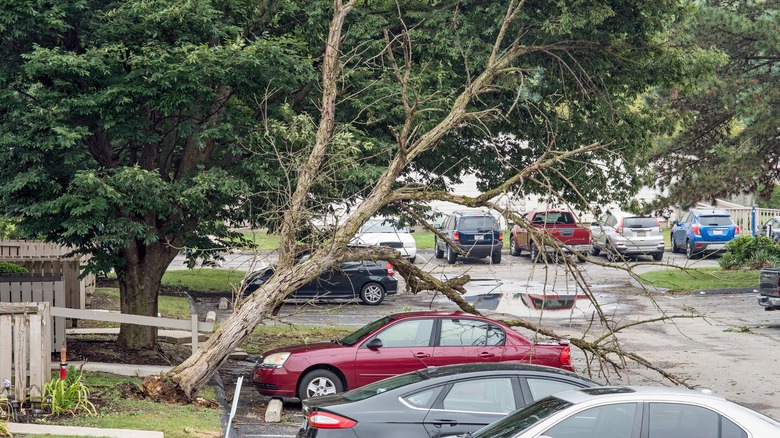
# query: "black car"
{"points": [[368, 280], [475, 232], [437, 401]]}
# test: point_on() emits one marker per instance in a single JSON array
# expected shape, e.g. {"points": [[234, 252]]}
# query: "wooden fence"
{"points": [[25, 350], [45, 287], [41, 257]]}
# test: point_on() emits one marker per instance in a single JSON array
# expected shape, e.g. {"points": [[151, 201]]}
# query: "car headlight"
{"points": [[275, 360], [409, 244]]}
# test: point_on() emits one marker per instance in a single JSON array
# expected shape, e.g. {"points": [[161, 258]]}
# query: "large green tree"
{"points": [[728, 139], [126, 128]]}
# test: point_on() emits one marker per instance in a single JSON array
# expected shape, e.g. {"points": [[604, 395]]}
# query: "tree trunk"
{"points": [[197, 369], [139, 287]]}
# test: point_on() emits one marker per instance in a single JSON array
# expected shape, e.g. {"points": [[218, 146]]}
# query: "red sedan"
{"points": [[397, 344]]}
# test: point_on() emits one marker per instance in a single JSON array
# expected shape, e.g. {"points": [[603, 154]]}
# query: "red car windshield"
{"points": [[356, 336]]}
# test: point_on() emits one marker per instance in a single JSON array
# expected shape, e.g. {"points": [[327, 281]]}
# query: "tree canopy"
{"points": [[727, 140]]}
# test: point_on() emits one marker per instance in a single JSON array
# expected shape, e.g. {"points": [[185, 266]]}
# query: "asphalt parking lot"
{"points": [[733, 349]]}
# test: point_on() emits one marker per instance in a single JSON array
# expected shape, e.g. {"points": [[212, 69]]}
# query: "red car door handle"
{"points": [[485, 354], [418, 355]]}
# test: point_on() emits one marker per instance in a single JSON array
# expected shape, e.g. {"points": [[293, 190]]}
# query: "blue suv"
{"points": [[475, 232], [703, 231]]}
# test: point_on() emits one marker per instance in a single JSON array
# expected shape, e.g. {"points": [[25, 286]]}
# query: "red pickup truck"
{"points": [[560, 225]]}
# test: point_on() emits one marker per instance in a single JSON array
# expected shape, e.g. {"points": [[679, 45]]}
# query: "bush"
{"points": [[11, 268], [751, 252]]}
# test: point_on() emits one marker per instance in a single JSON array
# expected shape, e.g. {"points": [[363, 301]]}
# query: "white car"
{"points": [[632, 412], [382, 232]]}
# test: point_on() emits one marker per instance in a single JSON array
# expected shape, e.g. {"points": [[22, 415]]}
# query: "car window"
{"points": [[477, 223], [611, 220], [422, 399], [715, 220], [410, 333], [673, 420], [521, 419], [384, 385], [686, 218], [451, 223], [616, 420], [461, 332], [640, 222], [355, 337], [494, 395], [378, 227], [541, 388]]}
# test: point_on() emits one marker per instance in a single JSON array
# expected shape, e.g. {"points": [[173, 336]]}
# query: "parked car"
{"points": [[456, 398], [771, 228], [703, 231], [368, 280], [632, 412], [475, 232], [382, 232], [560, 225], [398, 344], [621, 235]]}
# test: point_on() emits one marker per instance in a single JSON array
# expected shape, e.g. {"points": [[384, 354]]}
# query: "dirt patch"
{"points": [[108, 351]]}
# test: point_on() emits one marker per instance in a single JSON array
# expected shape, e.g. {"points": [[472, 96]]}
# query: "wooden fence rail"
{"points": [[193, 325], [25, 351]]}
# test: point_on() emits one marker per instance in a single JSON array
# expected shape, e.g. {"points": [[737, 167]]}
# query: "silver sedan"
{"points": [[632, 412]]}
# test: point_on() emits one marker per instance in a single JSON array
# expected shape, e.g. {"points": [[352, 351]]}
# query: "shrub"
{"points": [[752, 252], [11, 268], [69, 396]]}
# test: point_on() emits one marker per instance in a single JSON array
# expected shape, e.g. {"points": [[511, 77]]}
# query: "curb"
{"points": [[41, 429]]}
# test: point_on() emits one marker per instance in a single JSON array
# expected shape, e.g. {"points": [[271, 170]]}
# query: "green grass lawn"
{"points": [[678, 280], [122, 412], [204, 279]]}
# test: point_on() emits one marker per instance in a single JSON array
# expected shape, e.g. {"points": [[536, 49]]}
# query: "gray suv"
{"points": [[475, 232], [622, 235]]}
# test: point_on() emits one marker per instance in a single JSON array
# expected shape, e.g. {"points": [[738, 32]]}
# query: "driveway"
{"points": [[732, 348]]}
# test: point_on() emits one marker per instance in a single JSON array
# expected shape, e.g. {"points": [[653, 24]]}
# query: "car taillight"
{"points": [[455, 236], [326, 420], [736, 230], [500, 235], [658, 222], [696, 230], [619, 228], [390, 270], [566, 355]]}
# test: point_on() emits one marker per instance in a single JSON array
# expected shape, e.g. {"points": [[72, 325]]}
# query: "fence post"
{"points": [[195, 334], [753, 220]]}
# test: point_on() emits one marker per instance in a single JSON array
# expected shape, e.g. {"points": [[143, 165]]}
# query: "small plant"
{"points": [[69, 396], [740, 329], [4, 429], [11, 268]]}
